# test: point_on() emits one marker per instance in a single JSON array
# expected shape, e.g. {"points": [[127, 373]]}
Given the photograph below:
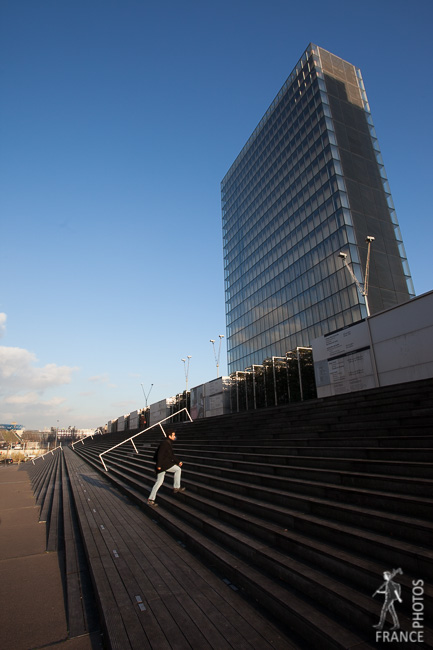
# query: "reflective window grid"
{"points": [[309, 183]]}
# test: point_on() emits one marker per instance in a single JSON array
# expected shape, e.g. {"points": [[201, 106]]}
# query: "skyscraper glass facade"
{"points": [[308, 184]]}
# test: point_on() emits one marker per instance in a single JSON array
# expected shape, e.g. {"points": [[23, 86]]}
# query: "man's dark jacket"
{"points": [[165, 457]]}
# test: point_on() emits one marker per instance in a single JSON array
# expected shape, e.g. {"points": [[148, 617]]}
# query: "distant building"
{"points": [[309, 183], [71, 433]]}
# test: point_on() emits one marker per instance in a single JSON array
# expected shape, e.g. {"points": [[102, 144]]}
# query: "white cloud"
{"points": [[31, 399], [18, 372], [23, 385], [102, 379], [3, 318], [99, 379]]}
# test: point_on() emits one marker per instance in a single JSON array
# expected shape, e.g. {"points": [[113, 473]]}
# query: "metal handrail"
{"points": [[131, 439], [47, 452], [83, 439]]}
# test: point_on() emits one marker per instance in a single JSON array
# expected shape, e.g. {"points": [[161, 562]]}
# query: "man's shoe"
{"points": [[176, 490], [396, 627], [152, 503], [378, 626]]}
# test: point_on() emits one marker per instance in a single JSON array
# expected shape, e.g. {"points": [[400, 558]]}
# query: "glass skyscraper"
{"points": [[309, 183]]}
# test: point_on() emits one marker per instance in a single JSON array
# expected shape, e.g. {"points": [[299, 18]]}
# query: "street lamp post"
{"points": [[217, 358], [186, 370], [362, 290], [146, 396]]}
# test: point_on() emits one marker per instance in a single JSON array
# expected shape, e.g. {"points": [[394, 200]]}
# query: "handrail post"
{"points": [[51, 451], [102, 461], [82, 439], [131, 439]]}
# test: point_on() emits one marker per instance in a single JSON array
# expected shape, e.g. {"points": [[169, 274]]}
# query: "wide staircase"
{"points": [[128, 584], [302, 508], [52, 489]]}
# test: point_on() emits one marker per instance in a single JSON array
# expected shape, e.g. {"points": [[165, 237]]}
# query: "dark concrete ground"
{"points": [[32, 611]]}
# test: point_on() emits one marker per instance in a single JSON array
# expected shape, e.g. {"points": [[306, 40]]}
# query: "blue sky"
{"points": [[119, 119]]}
